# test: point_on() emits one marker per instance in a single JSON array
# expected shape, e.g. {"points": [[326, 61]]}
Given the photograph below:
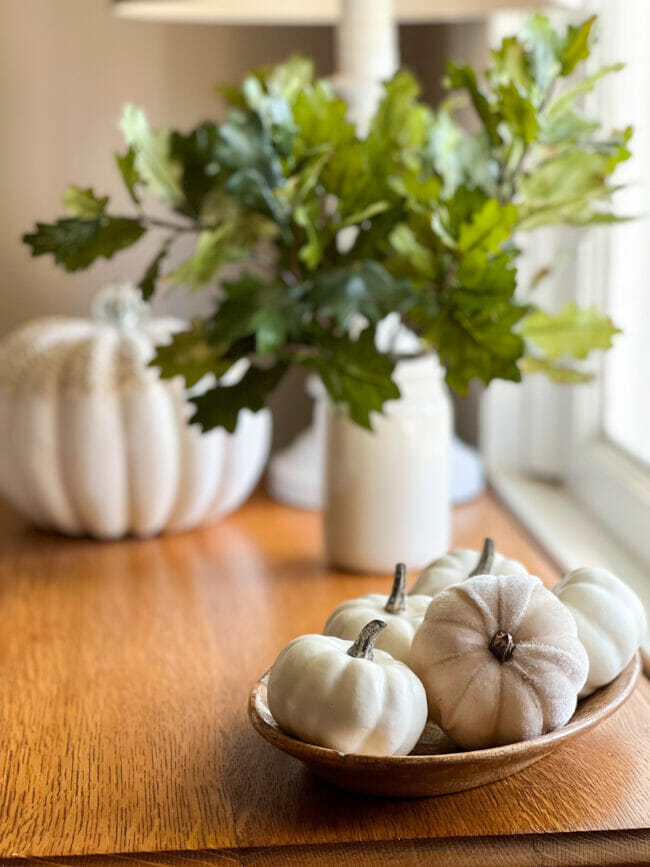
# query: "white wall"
{"points": [[66, 68]]}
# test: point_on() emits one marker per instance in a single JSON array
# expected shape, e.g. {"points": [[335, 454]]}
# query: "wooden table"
{"points": [[125, 672]]}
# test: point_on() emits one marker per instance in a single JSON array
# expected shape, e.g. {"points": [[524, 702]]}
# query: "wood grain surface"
{"points": [[126, 669]]}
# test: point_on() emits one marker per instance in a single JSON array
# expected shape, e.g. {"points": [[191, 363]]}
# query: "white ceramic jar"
{"points": [[387, 491]]}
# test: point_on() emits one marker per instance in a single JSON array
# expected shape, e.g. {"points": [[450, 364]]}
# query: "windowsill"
{"points": [[569, 534]]}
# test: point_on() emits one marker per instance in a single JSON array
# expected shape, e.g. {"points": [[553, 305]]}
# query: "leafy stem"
{"points": [[434, 207]]}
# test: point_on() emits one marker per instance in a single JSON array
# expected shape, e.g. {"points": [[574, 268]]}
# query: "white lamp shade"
{"points": [[316, 11]]}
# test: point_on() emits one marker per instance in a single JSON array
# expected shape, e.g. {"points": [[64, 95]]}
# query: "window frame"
{"points": [[552, 432]]}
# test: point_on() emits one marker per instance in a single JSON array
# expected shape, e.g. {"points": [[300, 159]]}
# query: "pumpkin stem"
{"points": [[119, 304], [365, 643], [396, 602], [485, 560], [502, 646]]}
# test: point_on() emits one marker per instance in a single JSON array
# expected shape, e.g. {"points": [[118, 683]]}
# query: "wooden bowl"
{"points": [[436, 766]]}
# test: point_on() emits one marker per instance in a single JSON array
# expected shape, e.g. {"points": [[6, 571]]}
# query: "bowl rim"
{"points": [[618, 689]]}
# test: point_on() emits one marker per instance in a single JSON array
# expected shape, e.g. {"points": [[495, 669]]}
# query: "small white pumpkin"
{"points": [[94, 442], [463, 563], [347, 697], [402, 614], [611, 621], [500, 660]]}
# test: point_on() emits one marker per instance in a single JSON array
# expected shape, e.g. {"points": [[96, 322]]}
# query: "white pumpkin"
{"points": [[347, 697], [500, 659], [611, 621], [94, 442], [463, 563], [402, 615]]}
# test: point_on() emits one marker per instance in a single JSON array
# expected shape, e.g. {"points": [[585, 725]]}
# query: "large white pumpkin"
{"points": [[94, 442]]}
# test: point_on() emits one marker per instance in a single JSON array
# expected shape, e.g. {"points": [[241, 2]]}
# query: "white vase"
{"points": [[387, 491]]}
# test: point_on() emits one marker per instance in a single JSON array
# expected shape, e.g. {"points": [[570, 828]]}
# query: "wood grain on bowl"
{"points": [[441, 772]]}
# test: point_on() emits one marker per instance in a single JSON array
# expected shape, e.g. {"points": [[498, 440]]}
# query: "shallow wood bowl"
{"points": [[436, 766]]}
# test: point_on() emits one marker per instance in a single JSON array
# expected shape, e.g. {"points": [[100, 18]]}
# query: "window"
{"points": [[596, 439]]}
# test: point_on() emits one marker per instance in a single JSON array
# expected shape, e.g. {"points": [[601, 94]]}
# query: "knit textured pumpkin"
{"points": [[95, 442], [500, 660]]}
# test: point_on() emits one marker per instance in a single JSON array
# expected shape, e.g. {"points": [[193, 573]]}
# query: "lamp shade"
{"points": [[316, 11]]}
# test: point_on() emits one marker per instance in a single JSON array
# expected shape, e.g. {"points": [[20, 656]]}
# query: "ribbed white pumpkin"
{"points": [[611, 621], [347, 696], [500, 659], [402, 615], [463, 563], [94, 442]]}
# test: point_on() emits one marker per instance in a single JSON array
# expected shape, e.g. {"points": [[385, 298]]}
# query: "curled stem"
{"points": [[396, 601], [485, 561], [365, 643]]}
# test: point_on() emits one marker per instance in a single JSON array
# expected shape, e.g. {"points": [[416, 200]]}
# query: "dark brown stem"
{"points": [[396, 601], [365, 643], [155, 222], [485, 561], [502, 646]]}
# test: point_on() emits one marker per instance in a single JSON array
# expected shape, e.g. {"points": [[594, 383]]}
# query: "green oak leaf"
{"points": [[566, 187], [147, 284], [420, 192], [131, 178], [245, 144], [518, 112], [459, 209], [214, 248], [306, 216], [197, 153], [543, 46], [354, 373], [152, 161], [400, 119], [488, 227], [274, 113], [482, 279], [568, 128], [421, 258], [464, 77], [190, 354], [478, 344], [509, 64], [221, 405], [458, 157], [252, 189], [576, 45], [291, 78], [364, 288], [76, 243], [83, 203], [348, 177], [572, 332], [555, 371], [568, 97], [286, 80], [263, 314], [320, 117]]}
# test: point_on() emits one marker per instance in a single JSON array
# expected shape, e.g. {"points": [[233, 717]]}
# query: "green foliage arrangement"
{"points": [[433, 212]]}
